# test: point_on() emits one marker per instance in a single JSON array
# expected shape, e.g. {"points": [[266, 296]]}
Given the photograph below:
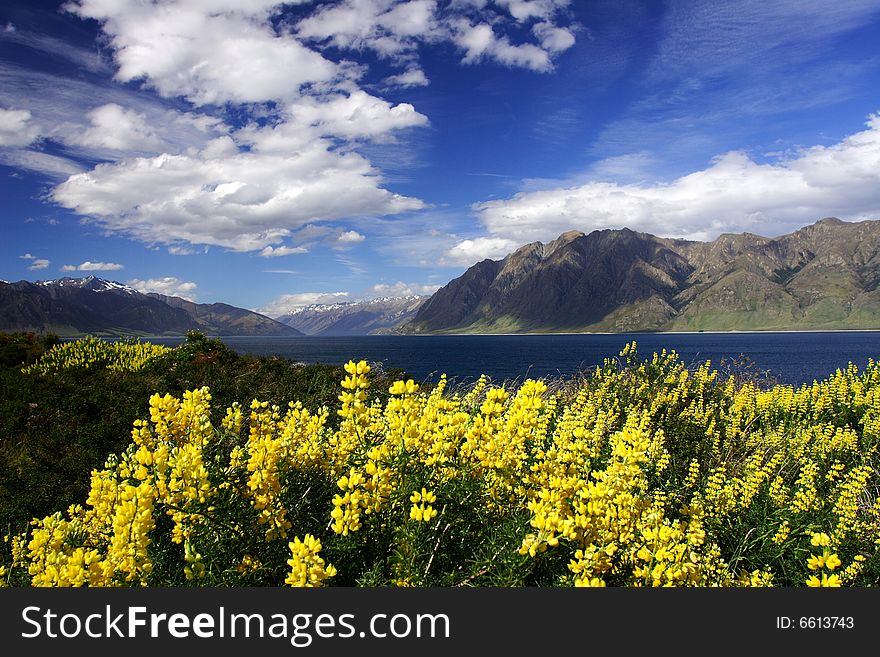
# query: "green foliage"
{"points": [[21, 349], [55, 429]]}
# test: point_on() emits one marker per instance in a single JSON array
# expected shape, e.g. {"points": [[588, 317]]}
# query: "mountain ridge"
{"points": [[822, 276], [347, 318], [95, 306]]}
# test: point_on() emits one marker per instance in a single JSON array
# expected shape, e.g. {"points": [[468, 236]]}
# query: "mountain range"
{"points": [[370, 317], [79, 306], [823, 276]]}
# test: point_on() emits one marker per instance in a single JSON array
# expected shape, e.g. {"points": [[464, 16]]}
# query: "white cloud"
{"points": [[16, 128], [412, 77], [733, 194], [51, 166], [97, 121], [468, 252], [355, 115], [275, 252], [180, 250], [522, 10], [475, 40], [288, 302], [209, 53], [395, 29], [245, 201], [553, 39], [525, 55], [401, 289], [480, 42], [36, 263], [93, 266], [386, 27], [117, 128], [350, 237], [170, 286], [245, 190]]}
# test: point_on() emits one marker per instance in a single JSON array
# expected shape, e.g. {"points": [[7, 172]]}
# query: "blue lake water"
{"points": [[790, 357]]}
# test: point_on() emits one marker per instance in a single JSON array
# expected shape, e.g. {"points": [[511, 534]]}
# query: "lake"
{"points": [[790, 357]]}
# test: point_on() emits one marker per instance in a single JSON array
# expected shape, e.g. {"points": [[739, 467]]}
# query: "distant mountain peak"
{"points": [[91, 282], [364, 317]]}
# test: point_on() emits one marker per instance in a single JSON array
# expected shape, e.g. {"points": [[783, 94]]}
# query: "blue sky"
{"points": [[271, 155]]}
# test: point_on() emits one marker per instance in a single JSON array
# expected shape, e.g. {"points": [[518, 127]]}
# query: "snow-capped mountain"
{"points": [[372, 316]]}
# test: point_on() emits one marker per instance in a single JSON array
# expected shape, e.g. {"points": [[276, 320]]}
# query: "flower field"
{"points": [[642, 473], [122, 356]]}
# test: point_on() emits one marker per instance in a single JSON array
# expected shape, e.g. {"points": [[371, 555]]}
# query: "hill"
{"points": [[824, 276], [94, 306]]}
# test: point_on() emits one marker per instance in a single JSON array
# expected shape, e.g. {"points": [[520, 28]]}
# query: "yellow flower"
{"points": [[816, 562], [832, 562], [423, 496]]}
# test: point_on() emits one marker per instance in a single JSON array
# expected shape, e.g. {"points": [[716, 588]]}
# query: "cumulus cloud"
{"points": [[208, 53], [394, 30], [354, 115], [243, 201], [289, 302], [350, 237], [123, 130], [93, 266], [16, 128], [389, 28], [117, 128], [253, 187], [468, 252], [170, 286], [401, 289], [36, 263], [734, 194]]}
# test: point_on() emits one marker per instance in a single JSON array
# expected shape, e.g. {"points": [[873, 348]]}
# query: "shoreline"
{"points": [[706, 332], [453, 335]]}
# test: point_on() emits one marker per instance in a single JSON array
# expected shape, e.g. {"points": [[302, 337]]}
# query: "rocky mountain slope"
{"points": [[824, 276]]}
